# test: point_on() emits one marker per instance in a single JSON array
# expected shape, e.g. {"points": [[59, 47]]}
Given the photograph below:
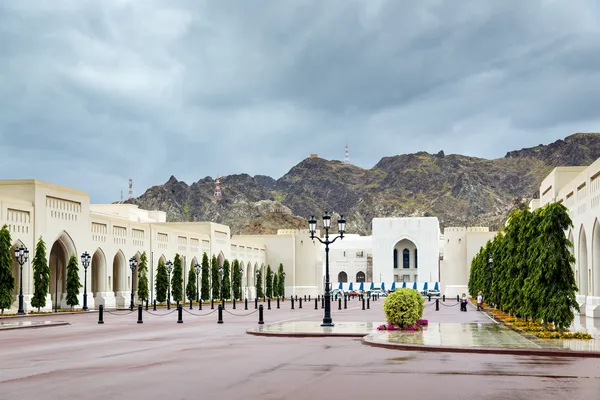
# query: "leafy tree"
{"points": [[259, 284], [236, 284], [143, 292], [269, 282], [205, 280], [281, 280], [162, 282], [226, 280], [190, 289], [73, 283], [41, 275], [7, 280], [275, 286], [177, 279], [550, 289], [216, 279]]}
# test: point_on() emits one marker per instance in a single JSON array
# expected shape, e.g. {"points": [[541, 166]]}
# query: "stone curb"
{"points": [[10, 328], [306, 334], [485, 350], [46, 315]]}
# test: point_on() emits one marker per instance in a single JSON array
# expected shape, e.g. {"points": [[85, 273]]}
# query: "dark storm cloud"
{"points": [[92, 93]]}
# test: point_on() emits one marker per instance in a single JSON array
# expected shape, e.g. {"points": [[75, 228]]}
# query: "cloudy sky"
{"points": [[95, 92]]}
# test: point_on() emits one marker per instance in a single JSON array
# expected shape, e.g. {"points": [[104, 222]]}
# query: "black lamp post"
{"points": [[22, 255], [85, 261], [133, 265], [197, 269], [221, 281], [169, 270], [312, 227], [256, 281]]}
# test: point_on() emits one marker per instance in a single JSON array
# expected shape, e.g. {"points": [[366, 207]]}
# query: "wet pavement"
{"points": [[200, 359], [23, 324]]}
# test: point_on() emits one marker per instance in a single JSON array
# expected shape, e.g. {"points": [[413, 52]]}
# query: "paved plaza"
{"points": [[200, 359]]}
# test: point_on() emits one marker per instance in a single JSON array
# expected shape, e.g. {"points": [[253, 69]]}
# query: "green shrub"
{"points": [[403, 307]]}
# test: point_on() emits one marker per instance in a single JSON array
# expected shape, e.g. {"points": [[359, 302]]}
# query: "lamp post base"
{"points": [[327, 323]]}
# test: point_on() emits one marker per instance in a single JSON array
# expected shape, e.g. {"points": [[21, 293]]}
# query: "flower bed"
{"points": [[412, 328]]}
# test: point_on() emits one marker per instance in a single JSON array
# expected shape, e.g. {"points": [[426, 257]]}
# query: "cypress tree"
{"points": [[259, 284], [177, 279], [162, 282], [269, 282], [275, 286], [190, 289], [226, 280], [143, 292], [281, 280], [216, 278], [205, 279], [41, 275], [236, 284], [7, 280], [73, 283]]}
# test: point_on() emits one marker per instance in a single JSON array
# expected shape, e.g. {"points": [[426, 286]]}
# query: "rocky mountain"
{"points": [[459, 190]]}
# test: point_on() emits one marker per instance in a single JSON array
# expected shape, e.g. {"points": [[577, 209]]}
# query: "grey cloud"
{"points": [[103, 91]]}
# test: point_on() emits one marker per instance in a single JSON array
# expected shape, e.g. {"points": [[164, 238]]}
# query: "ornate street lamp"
{"points": [[312, 227], [197, 269], [22, 255], [221, 281], [169, 270], [85, 261], [133, 265]]}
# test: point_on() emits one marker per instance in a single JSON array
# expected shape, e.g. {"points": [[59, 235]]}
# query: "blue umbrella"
{"points": [[415, 285], [372, 286], [350, 287], [383, 286], [340, 287], [436, 287], [362, 286], [425, 286], [403, 284], [393, 286]]}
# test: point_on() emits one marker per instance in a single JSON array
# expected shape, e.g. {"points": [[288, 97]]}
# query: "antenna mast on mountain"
{"points": [[130, 188], [218, 194], [347, 159]]}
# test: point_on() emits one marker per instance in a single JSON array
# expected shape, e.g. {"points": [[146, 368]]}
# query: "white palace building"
{"points": [[410, 250]]}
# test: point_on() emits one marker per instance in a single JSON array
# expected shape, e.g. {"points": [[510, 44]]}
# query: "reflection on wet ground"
{"points": [[311, 328], [19, 323]]}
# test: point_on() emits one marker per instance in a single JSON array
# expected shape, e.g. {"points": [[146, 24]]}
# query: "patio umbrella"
{"points": [[350, 287], [362, 286], [383, 286], [436, 287], [425, 286], [393, 286], [415, 285], [372, 286], [340, 286], [403, 284]]}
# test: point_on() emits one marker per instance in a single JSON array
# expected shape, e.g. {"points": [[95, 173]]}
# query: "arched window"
{"points": [[360, 276], [343, 277], [405, 258], [395, 258], [416, 259]]}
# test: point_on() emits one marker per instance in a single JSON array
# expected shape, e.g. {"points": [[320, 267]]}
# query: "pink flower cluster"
{"points": [[417, 327]]}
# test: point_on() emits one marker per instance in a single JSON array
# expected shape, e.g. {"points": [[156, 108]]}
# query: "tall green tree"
{"points": [[177, 279], [226, 280], [205, 279], [7, 280], [275, 285], [281, 280], [142, 283], [259, 284], [551, 282], [162, 281], [73, 282], [216, 279], [190, 289], [236, 284], [269, 282], [41, 275]]}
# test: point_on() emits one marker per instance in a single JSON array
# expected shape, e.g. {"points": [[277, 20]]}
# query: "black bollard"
{"points": [[316, 304], [309, 297], [260, 315], [191, 305], [212, 304], [429, 297], [264, 299], [180, 314], [100, 314], [177, 303], [444, 298], [300, 303], [340, 303], [200, 305], [246, 303], [146, 305], [345, 303], [368, 304], [322, 302], [234, 303], [304, 297], [363, 301], [256, 303], [223, 303], [292, 302], [220, 321], [269, 304], [437, 304], [154, 306], [140, 314], [457, 298], [278, 302]]}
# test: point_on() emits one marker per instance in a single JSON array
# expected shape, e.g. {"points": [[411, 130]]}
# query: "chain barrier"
{"points": [[119, 314], [200, 315], [446, 305], [429, 304], [160, 315], [240, 315]]}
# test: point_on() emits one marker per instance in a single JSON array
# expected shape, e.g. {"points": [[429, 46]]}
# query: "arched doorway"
{"points": [[342, 277], [360, 276], [582, 263], [97, 283], [120, 278], [405, 259], [596, 259], [62, 249]]}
